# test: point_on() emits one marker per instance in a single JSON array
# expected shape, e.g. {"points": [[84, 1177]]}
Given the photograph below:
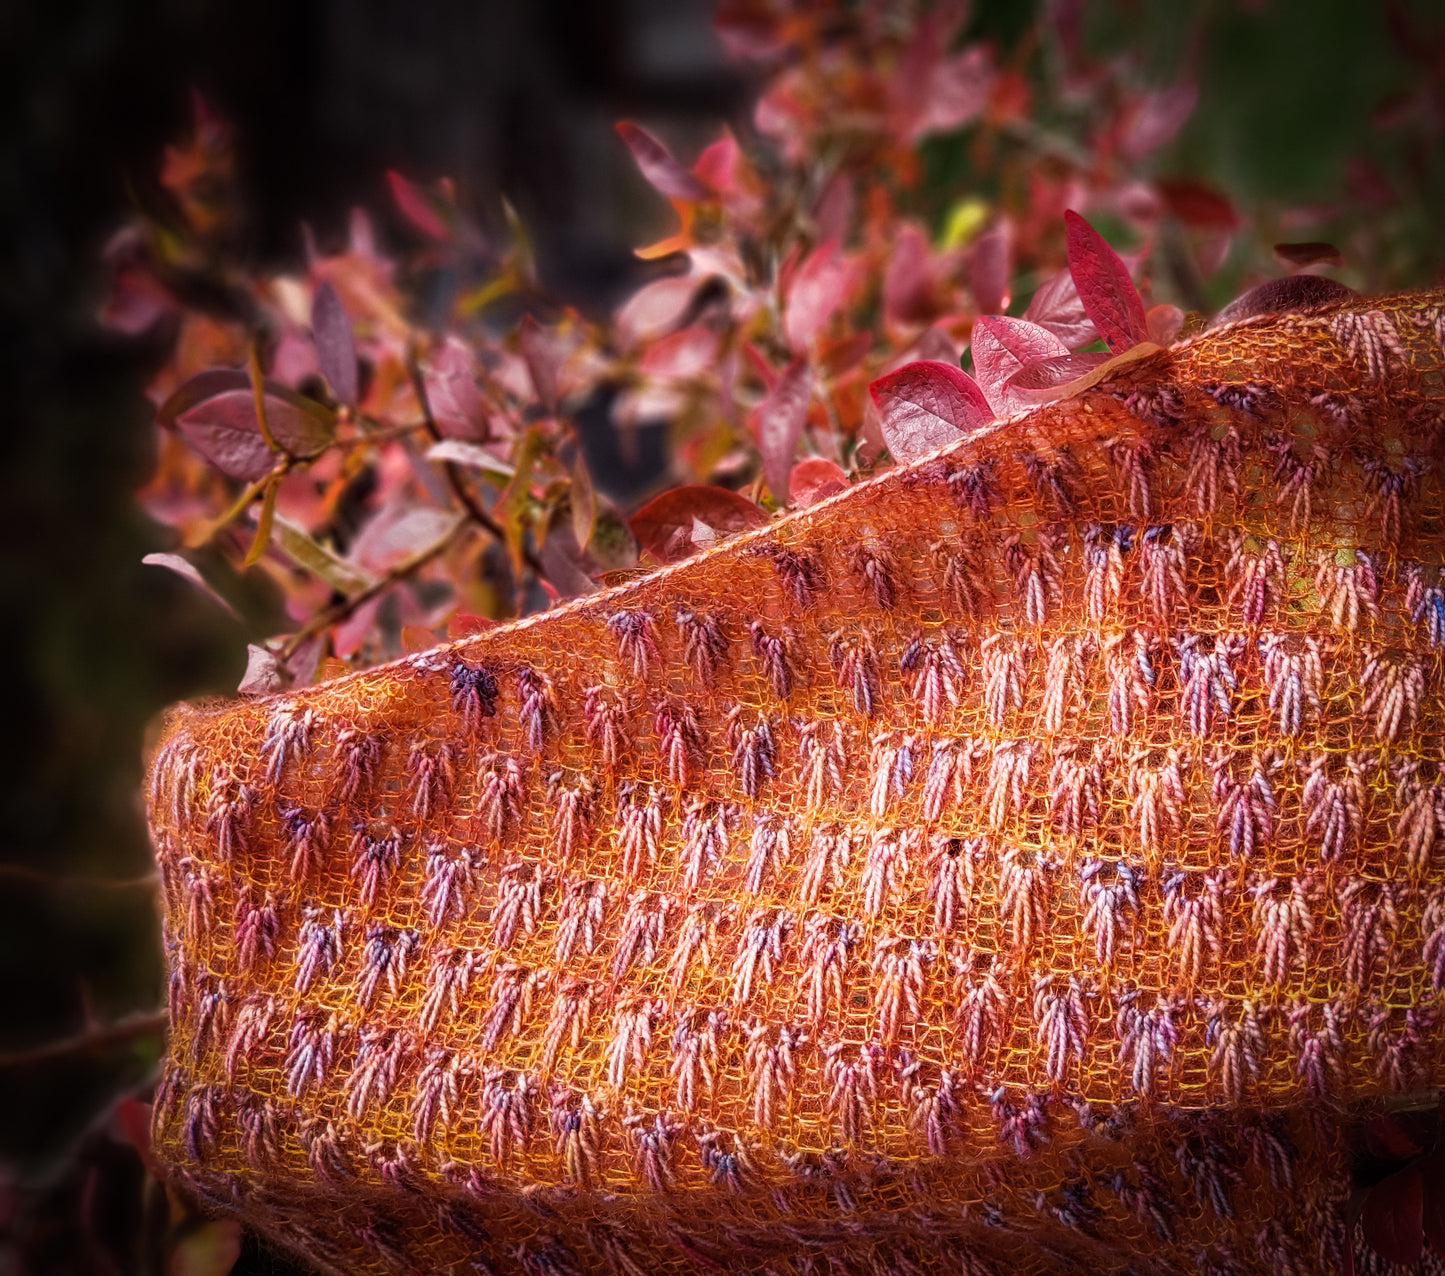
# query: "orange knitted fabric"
{"points": [[1018, 861]]}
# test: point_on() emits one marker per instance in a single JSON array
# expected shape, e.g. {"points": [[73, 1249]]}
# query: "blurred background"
{"points": [[1317, 118]]}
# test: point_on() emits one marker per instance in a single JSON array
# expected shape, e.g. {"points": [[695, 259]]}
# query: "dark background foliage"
{"points": [[1324, 102]]}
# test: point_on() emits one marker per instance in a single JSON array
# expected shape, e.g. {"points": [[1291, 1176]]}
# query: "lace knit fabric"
{"points": [[1028, 858]]}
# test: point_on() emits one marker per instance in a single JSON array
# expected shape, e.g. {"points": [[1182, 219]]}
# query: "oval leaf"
{"points": [[817, 290], [927, 405], [223, 429], [990, 265], [1164, 323], [335, 345], [1056, 306], [664, 526], [1001, 346], [813, 480], [1108, 294], [197, 389], [1294, 292], [778, 423], [658, 166], [1047, 380], [1393, 1217]]}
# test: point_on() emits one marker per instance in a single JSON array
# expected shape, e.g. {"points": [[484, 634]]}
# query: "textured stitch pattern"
{"points": [[1023, 859]]}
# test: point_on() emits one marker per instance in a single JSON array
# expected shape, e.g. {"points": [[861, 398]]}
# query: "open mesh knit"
{"points": [[1026, 859]]}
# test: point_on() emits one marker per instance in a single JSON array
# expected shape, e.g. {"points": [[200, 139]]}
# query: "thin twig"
{"points": [[453, 472], [144, 1024], [347, 606], [23, 873]]}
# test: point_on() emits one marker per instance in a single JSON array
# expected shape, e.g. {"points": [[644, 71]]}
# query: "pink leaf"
{"points": [[1056, 306], [909, 279], [542, 361], [1105, 289], [989, 268], [927, 405], [813, 480], [778, 422], [451, 391], [818, 288], [664, 526], [1156, 118], [335, 346], [658, 166], [265, 674], [1001, 346], [187, 571], [422, 209], [655, 308]]}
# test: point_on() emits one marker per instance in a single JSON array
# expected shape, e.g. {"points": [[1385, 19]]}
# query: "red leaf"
{"points": [[133, 1120], [1056, 370], [1198, 206], [335, 346], [658, 166], [1393, 1217], [909, 281], [1056, 306], [1001, 346], [1105, 289], [989, 268], [778, 422], [813, 480], [1314, 253], [1387, 1139], [1293, 292], [927, 405], [664, 526], [817, 290], [422, 209]]}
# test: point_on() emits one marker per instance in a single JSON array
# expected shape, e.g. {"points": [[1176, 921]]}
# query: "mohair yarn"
{"points": [[1027, 860]]}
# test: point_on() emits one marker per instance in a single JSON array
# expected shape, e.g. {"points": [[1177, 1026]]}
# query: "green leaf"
{"points": [[305, 551], [511, 507]]}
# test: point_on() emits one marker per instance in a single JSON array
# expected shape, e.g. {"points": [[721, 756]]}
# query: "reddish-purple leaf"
{"points": [[927, 405], [1056, 306], [335, 346], [778, 423], [1164, 322], [1156, 118], [542, 362], [818, 288], [664, 526], [1387, 1139], [1001, 346], [421, 209], [813, 480], [1055, 370], [1313, 253], [989, 269], [935, 343], [223, 429], [187, 571], [1393, 1217], [1198, 206], [1293, 292], [1105, 289], [909, 279], [451, 390], [658, 166]]}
